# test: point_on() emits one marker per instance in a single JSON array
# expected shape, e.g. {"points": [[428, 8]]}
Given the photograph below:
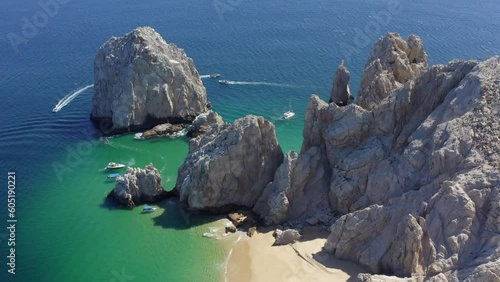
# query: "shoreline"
{"points": [[255, 259]]}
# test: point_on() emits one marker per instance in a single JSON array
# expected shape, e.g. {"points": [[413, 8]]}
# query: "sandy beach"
{"points": [[255, 259]]}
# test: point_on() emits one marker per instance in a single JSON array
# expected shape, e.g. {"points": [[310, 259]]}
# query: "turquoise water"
{"points": [[278, 50]]}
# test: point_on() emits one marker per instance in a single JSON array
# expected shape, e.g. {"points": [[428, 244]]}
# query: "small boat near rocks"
{"points": [[113, 175], [148, 209], [113, 165]]}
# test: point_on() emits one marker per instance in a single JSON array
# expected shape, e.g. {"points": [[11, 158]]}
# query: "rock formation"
{"points": [[164, 129], [138, 186], [203, 122], [141, 81], [392, 63], [341, 94], [229, 165], [285, 237], [423, 185], [414, 168]]}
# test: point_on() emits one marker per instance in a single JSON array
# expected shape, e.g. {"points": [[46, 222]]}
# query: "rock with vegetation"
{"points": [[138, 186], [230, 165], [141, 81]]}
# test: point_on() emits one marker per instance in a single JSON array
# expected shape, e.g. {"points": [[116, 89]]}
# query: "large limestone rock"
{"points": [[341, 94], [422, 188], [229, 165], [298, 192], [138, 186], [141, 81], [391, 64]]}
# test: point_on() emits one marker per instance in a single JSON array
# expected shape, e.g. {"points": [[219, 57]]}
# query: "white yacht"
{"points": [[113, 165], [290, 114]]}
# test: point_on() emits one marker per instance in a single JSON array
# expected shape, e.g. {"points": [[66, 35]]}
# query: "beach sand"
{"points": [[255, 259]]}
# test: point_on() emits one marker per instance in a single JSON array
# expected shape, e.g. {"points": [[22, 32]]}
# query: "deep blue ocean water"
{"points": [[277, 50]]}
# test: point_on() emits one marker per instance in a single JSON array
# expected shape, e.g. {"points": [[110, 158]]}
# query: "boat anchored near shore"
{"points": [[113, 165]]}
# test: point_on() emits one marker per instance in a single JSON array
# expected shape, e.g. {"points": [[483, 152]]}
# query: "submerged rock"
{"points": [[229, 165], [138, 186], [141, 81], [341, 94]]}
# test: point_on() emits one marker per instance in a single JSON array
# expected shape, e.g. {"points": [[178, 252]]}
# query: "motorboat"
{"points": [[113, 175], [288, 115], [148, 209], [214, 75], [224, 81], [113, 165]]}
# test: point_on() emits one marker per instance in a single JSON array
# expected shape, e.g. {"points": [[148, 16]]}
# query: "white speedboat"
{"points": [[224, 81], [214, 75], [148, 209], [288, 115], [113, 165]]}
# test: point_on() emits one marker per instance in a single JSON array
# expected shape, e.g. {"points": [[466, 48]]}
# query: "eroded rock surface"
{"points": [[391, 64], [203, 122], [230, 165], [141, 81], [285, 237], [341, 94], [422, 189], [138, 186]]}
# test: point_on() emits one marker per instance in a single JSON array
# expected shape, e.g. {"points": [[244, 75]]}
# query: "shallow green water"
{"points": [[81, 237]]}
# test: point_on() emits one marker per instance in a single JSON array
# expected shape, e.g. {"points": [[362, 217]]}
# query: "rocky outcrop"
{"points": [[230, 165], [421, 184], [285, 237], [392, 63], [203, 122], [299, 190], [138, 186], [341, 94], [141, 81], [164, 129]]}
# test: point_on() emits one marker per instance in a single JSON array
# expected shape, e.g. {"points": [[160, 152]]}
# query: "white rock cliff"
{"points": [[141, 81]]}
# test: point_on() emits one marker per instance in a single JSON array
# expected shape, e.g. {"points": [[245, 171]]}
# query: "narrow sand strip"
{"points": [[255, 259]]}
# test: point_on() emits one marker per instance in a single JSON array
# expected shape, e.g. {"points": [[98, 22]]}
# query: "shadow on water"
{"points": [[175, 217], [172, 217]]}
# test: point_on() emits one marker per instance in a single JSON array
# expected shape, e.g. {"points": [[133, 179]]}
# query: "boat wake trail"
{"points": [[205, 76], [70, 97], [259, 83]]}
